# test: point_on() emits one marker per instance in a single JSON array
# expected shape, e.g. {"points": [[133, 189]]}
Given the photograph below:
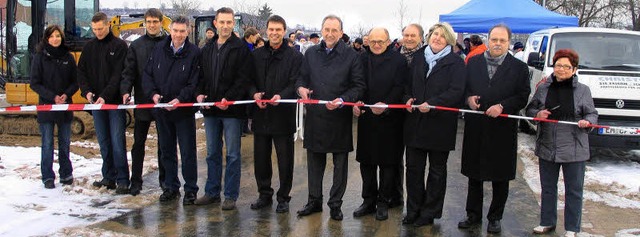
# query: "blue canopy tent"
{"points": [[522, 16]]}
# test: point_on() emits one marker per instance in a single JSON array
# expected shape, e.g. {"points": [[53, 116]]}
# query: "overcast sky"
{"points": [[368, 13]]}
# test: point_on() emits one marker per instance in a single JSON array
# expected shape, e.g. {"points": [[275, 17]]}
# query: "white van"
{"points": [[609, 64]]}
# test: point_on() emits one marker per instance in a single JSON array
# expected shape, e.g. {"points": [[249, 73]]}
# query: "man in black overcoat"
{"points": [[332, 71], [497, 83]]}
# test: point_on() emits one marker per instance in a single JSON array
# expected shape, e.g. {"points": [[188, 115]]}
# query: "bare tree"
{"points": [[402, 14], [361, 30], [185, 7], [251, 12], [634, 8]]}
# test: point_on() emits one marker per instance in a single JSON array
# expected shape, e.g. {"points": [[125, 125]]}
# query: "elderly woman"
{"points": [[562, 146], [53, 77], [437, 78]]}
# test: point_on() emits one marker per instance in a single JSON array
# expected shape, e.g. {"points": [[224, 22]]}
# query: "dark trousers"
{"points": [[316, 163], [262, 164], [182, 130], [426, 201], [475, 196], [398, 194], [374, 192], [573, 175], [140, 132]]}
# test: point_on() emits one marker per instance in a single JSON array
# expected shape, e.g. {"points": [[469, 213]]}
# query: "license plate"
{"points": [[619, 131]]}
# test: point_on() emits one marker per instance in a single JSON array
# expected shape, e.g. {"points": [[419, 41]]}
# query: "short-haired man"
{"points": [[477, 47], [276, 68], [134, 64], [224, 76], [380, 145], [170, 77], [99, 74], [497, 83], [250, 36], [412, 36], [331, 71]]}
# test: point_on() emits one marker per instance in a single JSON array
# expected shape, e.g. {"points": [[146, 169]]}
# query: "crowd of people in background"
{"points": [[421, 69]]}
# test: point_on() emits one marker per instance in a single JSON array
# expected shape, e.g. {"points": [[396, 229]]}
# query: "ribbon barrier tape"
{"points": [[91, 107]]}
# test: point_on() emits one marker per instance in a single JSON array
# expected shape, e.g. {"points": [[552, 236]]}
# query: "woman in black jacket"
{"points": [[437, 78], [53, 77]]}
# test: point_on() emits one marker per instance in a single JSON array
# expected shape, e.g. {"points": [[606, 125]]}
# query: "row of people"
{"points": [[169, 69]]}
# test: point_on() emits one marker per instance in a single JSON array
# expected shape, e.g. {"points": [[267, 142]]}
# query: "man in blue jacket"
{"points": [[170, 77]]}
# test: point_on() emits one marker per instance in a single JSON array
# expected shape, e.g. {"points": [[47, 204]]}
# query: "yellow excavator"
{"points": [[25, 21]]}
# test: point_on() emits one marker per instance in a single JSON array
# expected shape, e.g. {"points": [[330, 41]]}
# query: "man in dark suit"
{"points": [[380, 146], [331, 71], [497, 83]]}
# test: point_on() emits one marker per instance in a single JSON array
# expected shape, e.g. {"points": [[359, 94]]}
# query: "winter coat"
{"points": [[224, 73], [563, 143], [335, 75], [135, 62], [52, 76], [434, 130], [275, 73], [489, 149], [100, 68], [380, 136], [173, 76]]}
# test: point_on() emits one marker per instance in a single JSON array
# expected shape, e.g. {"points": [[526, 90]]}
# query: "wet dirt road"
{"points": [[174, 219]]}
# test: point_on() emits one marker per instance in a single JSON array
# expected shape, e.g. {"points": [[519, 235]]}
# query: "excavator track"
{"points": [[26, 123]]}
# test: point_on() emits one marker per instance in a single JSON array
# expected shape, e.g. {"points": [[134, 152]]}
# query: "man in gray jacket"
{"points": [[332, 71]]}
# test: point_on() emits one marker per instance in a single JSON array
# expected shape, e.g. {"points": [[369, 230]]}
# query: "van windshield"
{"points": [[608, 51]]}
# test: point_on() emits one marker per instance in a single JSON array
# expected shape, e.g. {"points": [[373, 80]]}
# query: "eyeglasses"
{"points": [[378, 42], [560, 66]]}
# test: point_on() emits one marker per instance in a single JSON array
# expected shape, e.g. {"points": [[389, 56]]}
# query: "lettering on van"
{"points": [[611, 82]]}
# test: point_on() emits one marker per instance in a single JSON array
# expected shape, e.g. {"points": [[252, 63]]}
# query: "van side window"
{"points": [[543, 48]]}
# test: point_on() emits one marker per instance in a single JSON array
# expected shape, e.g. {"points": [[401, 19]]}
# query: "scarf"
{"points": [[56, 52], [493, 63], [408, 53], [432, 58], [561, 94]]}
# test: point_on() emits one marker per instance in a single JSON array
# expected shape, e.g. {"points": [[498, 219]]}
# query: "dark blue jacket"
{"points": [[52, 76], [172, 75]]}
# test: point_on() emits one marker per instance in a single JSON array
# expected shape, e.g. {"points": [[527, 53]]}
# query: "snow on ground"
{"points": [[24, 202], [613, 182]]}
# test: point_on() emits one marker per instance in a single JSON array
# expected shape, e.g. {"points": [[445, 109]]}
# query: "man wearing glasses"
{"points": [[134, 64], [497, 83]]}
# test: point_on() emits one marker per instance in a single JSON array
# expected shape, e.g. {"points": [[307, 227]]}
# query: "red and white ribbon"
{"points": [[91, 107]]}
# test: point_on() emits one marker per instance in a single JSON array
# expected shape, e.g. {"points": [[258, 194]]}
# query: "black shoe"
{"points": [[494, 227], [169, 195], [469, 222], [364, 209], [189, 198], [422, 221], [105, 183], [122, 189], [49, 184], [67, 182], [336, 214], [409, 219], [135, 189], [382, 212], [282, 207], [261, 203], [310, 208]]}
